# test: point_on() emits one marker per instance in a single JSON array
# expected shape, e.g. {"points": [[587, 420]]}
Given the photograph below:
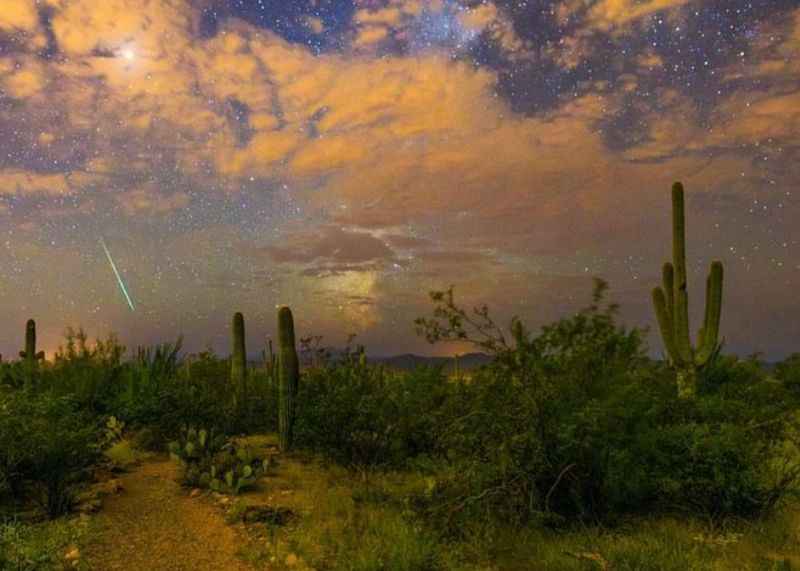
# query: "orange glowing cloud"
{"points": [[613, 14]]}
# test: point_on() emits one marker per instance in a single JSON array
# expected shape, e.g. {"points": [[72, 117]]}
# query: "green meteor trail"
{"points": [[116, 273]]}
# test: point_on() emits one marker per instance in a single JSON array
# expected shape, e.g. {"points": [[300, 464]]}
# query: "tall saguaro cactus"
{"points": [[29, 354], [671, 302], [288, 377], [238, 360]]}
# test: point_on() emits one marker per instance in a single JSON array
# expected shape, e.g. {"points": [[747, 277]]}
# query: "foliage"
{"points": [[90, 374], [365, 417], [47, 445], [39, 547], [788, 373], [577, 423]]}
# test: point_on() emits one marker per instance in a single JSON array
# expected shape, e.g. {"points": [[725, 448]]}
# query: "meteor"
{"points": [[116, 273]]}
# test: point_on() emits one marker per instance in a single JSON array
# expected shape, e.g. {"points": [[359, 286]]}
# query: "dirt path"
{"points": [[153, 526]]}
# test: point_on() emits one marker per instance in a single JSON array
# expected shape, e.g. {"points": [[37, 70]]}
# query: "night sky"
{"points": [[347, 156]]}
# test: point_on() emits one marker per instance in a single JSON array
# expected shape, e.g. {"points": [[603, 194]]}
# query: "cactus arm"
{"points": [[665, 323], [701, 333], [668, 283], [710, 337]]}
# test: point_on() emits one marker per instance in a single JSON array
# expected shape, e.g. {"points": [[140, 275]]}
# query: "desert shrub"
{"points": [[259, 412], [577, 423], [162, 394], [47, 446], [788, 373], [365, 417], [150, 439], [88, 374]]}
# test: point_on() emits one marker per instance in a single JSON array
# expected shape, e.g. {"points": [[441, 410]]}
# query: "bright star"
{"points": [[128, 54]]}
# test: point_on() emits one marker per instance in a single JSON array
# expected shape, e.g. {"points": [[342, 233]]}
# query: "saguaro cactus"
{"points": [[238, 360], [671, 302], [288, 377], [29, 354], [270, 358]]}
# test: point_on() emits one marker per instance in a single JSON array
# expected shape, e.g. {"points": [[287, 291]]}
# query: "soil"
{"points": [[153, 525]]}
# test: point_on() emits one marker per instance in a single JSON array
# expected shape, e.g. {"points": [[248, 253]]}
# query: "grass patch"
{"points": [[348, 524], [123, 455], [41, 546]]}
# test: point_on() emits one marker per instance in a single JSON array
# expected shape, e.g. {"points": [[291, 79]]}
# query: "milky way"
{"points": [[346, 157]]}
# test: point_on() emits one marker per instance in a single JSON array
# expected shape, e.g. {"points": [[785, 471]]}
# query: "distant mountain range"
{"points": [[409, 362]]}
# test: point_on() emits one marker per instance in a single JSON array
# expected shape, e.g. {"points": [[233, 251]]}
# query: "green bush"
{"points": [[47, 447], [577, 423], [365, 417], [788, 373]]}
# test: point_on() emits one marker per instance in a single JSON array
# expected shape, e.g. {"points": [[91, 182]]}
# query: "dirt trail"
{"points": [[153, 526]]}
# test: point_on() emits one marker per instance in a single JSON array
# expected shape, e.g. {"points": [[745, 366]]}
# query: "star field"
{"points": [[347, 156]]}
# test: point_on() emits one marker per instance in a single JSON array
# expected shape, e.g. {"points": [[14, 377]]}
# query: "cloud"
{"points": [[332, 245], [148, 201], [18, 15], [20, 182], [607, 15], [407, 168]]}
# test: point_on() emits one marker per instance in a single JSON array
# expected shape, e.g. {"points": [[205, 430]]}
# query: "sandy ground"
{"points": [[153, 525]]}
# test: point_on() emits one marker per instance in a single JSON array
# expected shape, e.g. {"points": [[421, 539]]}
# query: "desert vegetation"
{"points": [[572, 449]]}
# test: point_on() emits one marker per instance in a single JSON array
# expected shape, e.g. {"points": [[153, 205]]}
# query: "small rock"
{"points": [[291, 560], [224, 500], [196, 492], [90, 506], [73, 554], [114, 487]]}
